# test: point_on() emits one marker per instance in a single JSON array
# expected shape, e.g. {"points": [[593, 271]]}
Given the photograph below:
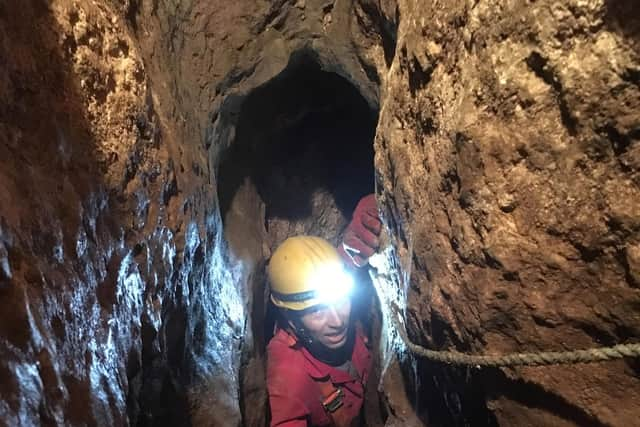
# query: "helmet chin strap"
{"points": [[330, 356]]}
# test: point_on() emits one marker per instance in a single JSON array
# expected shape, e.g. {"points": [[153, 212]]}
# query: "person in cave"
{"points": [[318, 361]]}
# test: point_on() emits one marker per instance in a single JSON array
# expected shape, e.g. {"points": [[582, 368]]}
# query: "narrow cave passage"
{"points": [[301, 160], [306, 134], [154, 153]]}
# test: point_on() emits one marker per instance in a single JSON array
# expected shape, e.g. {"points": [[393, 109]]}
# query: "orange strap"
{"points": [[332, 402]]}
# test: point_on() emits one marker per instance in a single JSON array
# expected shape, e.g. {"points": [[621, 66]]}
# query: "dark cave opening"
{"points": [[301, 159], [306, 129]]}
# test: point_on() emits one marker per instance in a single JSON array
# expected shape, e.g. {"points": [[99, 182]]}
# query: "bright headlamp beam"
{"points": [[331, 284]]}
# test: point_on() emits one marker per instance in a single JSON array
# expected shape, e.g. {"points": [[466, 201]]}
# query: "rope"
{"points": [[545, 358], [597, 354]]}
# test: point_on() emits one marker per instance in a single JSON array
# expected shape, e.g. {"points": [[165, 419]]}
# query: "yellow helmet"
{"points": [[305, 271]]}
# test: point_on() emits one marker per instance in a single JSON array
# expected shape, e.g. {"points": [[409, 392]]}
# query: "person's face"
{"points": [[328, 324]]}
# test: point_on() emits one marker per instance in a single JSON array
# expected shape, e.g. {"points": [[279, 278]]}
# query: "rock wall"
{"points": [[125, 299], [509, 159], [109, 240], [506, 167]]}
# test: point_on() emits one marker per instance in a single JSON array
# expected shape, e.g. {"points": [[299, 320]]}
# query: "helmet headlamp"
{"points": [[331, 283]]}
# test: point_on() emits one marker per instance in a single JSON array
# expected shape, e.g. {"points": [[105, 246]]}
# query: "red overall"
{"points": [[297, 383]]}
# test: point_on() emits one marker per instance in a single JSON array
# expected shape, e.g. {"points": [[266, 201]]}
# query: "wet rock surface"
{"points": [[109, 237], [146, 147]]}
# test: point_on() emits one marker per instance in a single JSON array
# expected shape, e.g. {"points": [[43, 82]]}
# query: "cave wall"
{"points": [[123, 301], [110, 244], [507, 170]]}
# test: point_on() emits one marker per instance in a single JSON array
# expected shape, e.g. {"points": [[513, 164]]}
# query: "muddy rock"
{"points": [[506, 147]]}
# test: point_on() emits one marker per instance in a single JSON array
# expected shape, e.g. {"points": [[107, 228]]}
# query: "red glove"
{"points": [[361, 237]]}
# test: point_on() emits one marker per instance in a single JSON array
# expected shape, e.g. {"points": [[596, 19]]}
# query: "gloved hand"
{"points": [[361, 237]]}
